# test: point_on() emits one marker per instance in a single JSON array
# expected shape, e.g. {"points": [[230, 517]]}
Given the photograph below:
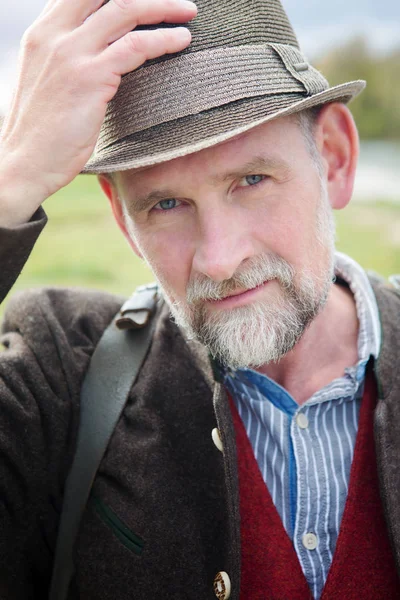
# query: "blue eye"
{"points": [[254, 179], [167, 204]]}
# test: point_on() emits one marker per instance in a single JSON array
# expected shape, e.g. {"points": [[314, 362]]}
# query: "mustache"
{"points": [[253, 273]]}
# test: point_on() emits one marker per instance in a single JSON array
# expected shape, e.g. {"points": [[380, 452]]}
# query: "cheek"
{"points": [[289, 227], [308, 252], [282, 226], [169, 255]]}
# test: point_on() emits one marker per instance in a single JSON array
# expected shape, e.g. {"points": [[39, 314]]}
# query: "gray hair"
{"points": [[307, 121]]}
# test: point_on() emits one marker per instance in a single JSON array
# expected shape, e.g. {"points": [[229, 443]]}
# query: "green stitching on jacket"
{"points": [[123, 533]]}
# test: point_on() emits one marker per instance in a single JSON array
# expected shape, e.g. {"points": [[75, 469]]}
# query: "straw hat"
{"points": [[244, 67]]}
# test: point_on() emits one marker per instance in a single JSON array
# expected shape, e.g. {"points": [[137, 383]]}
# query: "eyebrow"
{"points": [[255, 167], [141, 203], [252, 167]]}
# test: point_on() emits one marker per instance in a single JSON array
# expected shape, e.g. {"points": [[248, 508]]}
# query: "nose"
{"points": [[224, 242]]}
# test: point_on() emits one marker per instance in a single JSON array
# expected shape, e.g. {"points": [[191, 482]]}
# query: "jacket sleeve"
{"points": [[15, 247], [48, 338]]}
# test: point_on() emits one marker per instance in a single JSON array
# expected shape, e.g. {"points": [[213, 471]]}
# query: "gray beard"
{"points": [[258, 333]]}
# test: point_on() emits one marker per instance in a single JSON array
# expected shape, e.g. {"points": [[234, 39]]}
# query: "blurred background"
{"points": [[346, 39]]}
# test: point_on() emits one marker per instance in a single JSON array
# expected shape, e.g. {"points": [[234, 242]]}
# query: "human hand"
{"points": [[70, 67]]}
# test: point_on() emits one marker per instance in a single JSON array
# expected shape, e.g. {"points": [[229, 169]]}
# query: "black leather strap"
{"points": [[113, 369]]}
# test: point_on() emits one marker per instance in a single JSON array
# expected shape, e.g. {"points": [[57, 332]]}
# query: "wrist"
{"points": [[20, 194]]}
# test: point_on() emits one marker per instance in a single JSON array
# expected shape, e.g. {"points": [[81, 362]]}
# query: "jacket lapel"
{"points": [[226, 430], [228, 438], [387, 414]]}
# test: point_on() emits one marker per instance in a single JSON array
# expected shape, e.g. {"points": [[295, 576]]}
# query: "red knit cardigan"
{"points": [[363, 567]]}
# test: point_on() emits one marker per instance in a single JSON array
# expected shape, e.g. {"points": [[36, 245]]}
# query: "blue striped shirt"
{"points": [[305, 452]]}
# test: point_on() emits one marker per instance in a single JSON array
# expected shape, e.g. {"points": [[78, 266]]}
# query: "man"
{"points": [[255, 475]]}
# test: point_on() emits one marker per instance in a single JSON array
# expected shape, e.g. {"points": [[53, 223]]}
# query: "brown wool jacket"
{"points": [[163, 518]]}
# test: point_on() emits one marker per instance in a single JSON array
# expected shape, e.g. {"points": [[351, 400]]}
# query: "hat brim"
{"points": [[196, 132]]}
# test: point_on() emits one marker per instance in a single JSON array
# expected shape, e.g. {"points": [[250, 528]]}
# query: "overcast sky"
{"points": [[319, 25]]}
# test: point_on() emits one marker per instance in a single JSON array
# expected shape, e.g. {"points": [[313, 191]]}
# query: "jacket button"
{"points": [[217, 439], [222, 586]]}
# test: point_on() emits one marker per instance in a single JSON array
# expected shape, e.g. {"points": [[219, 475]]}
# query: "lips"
{"points": [[240, 292], [238, 297]]}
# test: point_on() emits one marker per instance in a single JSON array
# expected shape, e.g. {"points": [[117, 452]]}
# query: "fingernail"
{"points": [[183, 33], [188, 4]]}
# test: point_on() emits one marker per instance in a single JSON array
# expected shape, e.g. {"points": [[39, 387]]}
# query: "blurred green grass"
{"points": [[82, 246]]}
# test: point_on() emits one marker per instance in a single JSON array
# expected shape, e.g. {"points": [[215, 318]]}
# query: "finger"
{"points": [[69, 15], [48, 6], [118, 17], [131, 51]]}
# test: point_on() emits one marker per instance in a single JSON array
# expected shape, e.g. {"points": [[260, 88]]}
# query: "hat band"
{"points": [[192, 83]]}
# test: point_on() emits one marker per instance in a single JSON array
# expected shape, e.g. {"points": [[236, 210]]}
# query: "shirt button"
{"points": [[302, 421], [217, 439], [222, 586], [310, 541]]}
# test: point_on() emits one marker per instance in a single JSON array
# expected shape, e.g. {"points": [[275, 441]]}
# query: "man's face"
{"points": [[240, 237]]}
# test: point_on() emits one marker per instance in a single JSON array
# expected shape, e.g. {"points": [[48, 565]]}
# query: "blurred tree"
{"points": [[377, 109]]}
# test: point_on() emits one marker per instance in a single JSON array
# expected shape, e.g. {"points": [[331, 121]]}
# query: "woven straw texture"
{"points": [[229, 23], [243, 68]]}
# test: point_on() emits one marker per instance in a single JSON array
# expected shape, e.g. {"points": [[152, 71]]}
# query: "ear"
{"points": [[338, 143], [110, 189]]}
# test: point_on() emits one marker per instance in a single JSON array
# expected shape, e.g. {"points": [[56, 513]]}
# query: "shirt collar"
{"points": [[370, 334]]}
